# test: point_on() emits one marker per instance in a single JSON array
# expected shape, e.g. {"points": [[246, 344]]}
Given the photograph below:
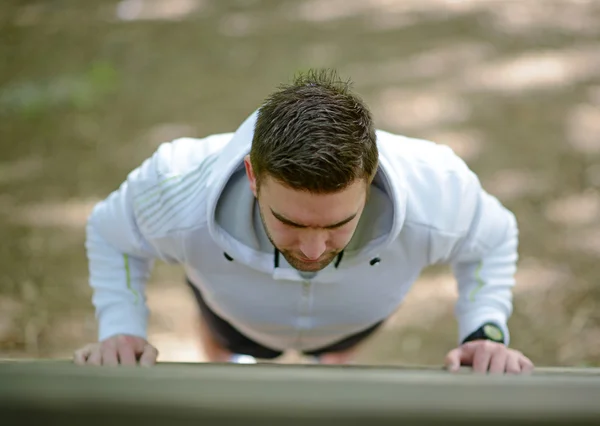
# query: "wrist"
{"points": [[488, 331]]}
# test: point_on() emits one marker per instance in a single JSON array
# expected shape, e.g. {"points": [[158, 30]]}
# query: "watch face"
{"points": [[493, 332]]}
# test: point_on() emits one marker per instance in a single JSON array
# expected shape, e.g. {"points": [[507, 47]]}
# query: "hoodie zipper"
{"points": [[305, 309]]}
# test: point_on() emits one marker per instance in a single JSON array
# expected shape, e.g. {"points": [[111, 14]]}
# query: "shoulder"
{"points": [[184, 155], [442, 191], [421, 155], [168, 189]]}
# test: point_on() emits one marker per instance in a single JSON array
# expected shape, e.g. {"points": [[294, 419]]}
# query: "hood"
{"points": [[231, 159]]}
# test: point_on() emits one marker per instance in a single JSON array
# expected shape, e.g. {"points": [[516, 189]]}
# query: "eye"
{"points": [[290, 225], [336, 227]]}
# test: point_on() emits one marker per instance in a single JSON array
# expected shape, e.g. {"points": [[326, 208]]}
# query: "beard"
{"points": [[294, 261]]}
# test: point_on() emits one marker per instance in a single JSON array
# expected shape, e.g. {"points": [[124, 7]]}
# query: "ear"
{"points": [[250, 174]]}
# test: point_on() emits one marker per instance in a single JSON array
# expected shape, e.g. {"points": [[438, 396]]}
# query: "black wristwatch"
{"points": [[488, 331]]}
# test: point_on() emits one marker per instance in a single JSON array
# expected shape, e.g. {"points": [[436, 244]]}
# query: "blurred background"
{"points": [[89, 89]]}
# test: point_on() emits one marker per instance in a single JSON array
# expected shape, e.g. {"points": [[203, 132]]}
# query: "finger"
{"points": [[498, 362], [452, 361], [109, 355], [81, 355], [525, 364], [126, 354], [149, 356], [513, 365], [95, 357], [481, 359]]}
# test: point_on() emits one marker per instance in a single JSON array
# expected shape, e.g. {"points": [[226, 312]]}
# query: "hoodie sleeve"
{"points": [[125, 234], [483, 259], [119, 261]]}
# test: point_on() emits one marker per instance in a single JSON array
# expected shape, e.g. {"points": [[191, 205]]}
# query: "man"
{"points": [[302, 230]]}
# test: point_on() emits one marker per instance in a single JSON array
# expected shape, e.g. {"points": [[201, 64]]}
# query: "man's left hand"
{"points": [[487, 356]]}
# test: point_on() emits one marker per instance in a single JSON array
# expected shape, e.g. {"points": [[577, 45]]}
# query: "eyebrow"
{"points": [[299, 225]]}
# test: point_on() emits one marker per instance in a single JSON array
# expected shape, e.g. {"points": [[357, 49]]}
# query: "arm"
{"points": [[126, 234], [484, 264], [477, 236], [140, 222], [120, 260]]}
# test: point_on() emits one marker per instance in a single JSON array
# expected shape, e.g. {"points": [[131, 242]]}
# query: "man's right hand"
{"points": [[117, 350]]}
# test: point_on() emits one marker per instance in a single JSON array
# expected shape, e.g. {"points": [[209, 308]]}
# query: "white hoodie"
{"points": [[429, 208]]}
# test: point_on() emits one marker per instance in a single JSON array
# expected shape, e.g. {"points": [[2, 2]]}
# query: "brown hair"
{"points": [[314, 135]]}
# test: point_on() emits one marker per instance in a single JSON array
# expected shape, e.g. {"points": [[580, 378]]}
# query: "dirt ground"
{"points": [[89, 91]]}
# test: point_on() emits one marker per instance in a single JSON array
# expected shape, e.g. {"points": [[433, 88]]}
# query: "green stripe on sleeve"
{"points": [[480, 282], [128, 275]]}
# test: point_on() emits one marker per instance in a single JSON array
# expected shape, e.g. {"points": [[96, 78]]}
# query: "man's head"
{"points": [[313, 157]]}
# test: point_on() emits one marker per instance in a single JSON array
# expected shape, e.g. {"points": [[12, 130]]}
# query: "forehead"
{"points": [[312, 209]]}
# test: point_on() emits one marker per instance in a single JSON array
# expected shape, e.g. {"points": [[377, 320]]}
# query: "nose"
{"points": [[313, 244]]}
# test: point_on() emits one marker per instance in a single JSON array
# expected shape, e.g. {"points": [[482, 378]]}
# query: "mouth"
{"points": [[318, 260], [304, 260]]}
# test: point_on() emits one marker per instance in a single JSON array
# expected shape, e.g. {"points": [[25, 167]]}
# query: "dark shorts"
{"points": [[234, 341]]}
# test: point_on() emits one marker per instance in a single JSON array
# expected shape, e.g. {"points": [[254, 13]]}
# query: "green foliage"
{"points": [[81, 91]]}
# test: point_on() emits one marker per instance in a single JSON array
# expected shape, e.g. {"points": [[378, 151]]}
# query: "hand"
{"points": [[120, 349], [487, 356]]}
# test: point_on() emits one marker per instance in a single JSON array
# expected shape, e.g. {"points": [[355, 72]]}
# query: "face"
{"points": [[309, 230]]}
